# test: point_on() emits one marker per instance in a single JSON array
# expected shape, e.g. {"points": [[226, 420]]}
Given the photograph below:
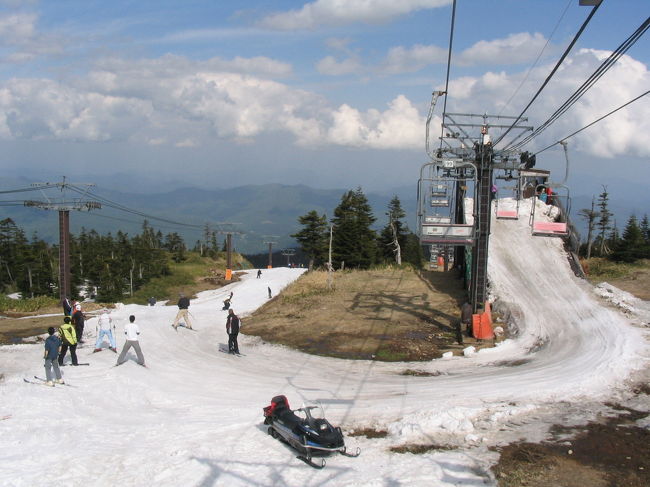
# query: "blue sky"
{"points": [[330, 93]]}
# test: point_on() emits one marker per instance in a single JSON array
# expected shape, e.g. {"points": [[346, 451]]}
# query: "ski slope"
{"points": [[194, 416]]}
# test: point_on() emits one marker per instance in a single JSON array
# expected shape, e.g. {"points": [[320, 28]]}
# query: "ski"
{"points": [[45, 380], [2, 418], [183, 326], [71, 365], [311, 463]]}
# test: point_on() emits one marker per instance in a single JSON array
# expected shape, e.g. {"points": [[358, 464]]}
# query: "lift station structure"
{"points": [[455, 190]]}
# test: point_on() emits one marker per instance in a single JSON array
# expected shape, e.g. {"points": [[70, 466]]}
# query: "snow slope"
{"points": [[194, 416]]}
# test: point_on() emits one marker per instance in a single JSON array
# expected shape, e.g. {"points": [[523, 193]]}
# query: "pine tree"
{"points": [[590, 215], [392, 239], [313, 237], [603, 223], [632, 245], [354, 242]]}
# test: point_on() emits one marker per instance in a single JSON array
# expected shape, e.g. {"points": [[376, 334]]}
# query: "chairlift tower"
{"points": [[288, 253], [465, 156], [63, 206], [229, 232], [270, 240]]}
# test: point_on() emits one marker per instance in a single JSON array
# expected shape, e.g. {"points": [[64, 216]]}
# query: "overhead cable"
{"points": [[451, 43], [595, 121], [523, 81], [596, 75], [548, 78]]}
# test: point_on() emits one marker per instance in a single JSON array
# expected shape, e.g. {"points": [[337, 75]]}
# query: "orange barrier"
{"points": [[228, 274], [269, 267], [482, 324]]}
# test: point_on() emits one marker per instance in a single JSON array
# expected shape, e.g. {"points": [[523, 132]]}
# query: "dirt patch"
{"points": [[613, 452], [637, 283], [368, 433], [384, 314], [419, 449], [420, 373]]}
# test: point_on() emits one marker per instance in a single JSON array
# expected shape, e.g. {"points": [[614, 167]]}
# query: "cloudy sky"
{"points": [[329, 93]]}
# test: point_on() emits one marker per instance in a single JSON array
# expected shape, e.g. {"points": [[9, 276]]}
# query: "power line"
{"points": [[552, 73], [595, 121], [595, 76]]}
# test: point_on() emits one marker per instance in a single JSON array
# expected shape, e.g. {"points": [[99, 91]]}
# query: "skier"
{"points": [[232, 328], [269, 289], [78, 320], [152, 301], [183, 313], [131, 331], [226, 304], [104, 329], [52, 345], [259, 273], [69, 339]]}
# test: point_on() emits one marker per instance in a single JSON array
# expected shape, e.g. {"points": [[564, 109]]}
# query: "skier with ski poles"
{"points": [[51, 354]]}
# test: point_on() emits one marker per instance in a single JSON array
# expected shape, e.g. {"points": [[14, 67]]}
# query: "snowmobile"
{"points": [[306, 430]]}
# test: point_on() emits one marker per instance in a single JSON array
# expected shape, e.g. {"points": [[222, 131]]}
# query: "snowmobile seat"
{"points": [[278, 404]]}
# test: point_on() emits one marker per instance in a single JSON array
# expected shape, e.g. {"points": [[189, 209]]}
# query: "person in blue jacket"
{"points": [[51, 355]]}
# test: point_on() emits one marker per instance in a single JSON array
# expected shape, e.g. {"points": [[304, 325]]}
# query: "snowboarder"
{"points": [[269, 289], [52, 345], [259, 273], [78, 320], [131, 331], [152, 301], [183, 313], [104, 329], [226, 304], [232, 328], [69, 339]]}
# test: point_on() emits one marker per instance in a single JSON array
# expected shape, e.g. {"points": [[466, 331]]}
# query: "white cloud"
{"points": [[514, 49], [402, 60], [339, 12], [399, 127], [614, 136], [331, 67], [18, 32]]}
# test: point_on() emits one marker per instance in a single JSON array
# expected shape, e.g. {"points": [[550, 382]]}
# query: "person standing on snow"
{"points": [[104, 323], [69, 339], [52, 345], [67, 306], [78, 320], [131, 330], [232, 328], [259, 273], [183, 313]]}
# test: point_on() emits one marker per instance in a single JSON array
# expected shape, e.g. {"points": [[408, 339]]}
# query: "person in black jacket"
{"points": [[183, 313], [78, 321], [232, 328]]}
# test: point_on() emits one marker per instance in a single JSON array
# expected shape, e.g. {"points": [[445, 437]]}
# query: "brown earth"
{"points": [[636, 283], [385, 314], [612, 452]]}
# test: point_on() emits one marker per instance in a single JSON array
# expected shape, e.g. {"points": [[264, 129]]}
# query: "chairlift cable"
{"points": [[538, 57], [451, 42], [595, 76], [552, 73], [594, 122]]}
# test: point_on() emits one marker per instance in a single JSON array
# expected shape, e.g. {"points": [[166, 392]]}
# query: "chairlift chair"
{"points": [[559, 198]]}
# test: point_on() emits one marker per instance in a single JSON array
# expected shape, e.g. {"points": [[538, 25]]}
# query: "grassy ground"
{"points": [[633, 278], [386, 314]]}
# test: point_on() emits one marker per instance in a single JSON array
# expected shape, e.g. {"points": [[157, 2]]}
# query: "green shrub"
{"points": [[26, 305]]}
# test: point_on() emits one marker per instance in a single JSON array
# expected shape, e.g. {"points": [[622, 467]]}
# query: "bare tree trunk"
{"points": [[131, 276], [398, 250], [329, 262], [590, 228], [29, 276]]}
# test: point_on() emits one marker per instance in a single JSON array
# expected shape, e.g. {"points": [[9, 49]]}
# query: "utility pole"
{"points": [[64, 207], [270, 240], [229, 234]]}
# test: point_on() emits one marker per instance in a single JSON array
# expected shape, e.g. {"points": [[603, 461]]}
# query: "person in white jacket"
{"points": [[105, 328], [131, 331]]}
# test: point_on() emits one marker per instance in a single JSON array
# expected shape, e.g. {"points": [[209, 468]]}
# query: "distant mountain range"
{"points": [[261, 212]]}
